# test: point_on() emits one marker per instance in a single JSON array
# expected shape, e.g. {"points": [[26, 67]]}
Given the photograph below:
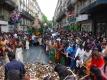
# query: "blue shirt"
{"points": [[14, 65], [71, 50]]}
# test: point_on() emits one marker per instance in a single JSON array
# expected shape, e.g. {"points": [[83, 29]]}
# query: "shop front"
{"points": [[84, 22], [98, 12], [100, 23]]}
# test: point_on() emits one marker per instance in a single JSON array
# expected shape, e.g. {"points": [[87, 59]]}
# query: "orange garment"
{"points": [[88, 63], [58, 52], [98, 62], [3, 43]]}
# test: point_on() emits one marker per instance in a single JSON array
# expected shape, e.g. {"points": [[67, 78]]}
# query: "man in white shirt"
{"points": [[33, 39], [15, 35], [80, 54]]}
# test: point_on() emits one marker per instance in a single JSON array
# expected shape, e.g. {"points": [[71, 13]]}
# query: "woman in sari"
{"points": [[95, 60], [52, 51], [19, 51], [58, 52]]}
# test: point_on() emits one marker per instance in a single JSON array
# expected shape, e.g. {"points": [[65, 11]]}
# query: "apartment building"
{"points": [[29, 9], [6, 7], [92, 15], [65, 13], [84, 20]]}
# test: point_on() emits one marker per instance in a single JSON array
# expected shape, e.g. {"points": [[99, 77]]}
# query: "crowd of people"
{"points": [[12, 48], [11, 43], [16, 43], [83, 52]]}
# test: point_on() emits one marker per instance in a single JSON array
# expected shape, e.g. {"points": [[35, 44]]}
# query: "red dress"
{"points": [[98, 62]]}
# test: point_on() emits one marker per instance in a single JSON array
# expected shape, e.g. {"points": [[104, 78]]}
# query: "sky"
{"points": [[48, 7]]}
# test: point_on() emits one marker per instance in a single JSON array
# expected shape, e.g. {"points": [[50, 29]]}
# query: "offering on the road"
{"points": [[2, 73], [36, 71], [39, 71]]}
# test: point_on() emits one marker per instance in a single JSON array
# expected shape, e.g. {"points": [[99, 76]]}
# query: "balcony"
{"points": [[27, 15], [8, 4], [60, 17]]}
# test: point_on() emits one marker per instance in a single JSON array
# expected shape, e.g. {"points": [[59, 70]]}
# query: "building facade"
{"points": [[29, 9], [65, 13], [6, 6], [90, 14]]}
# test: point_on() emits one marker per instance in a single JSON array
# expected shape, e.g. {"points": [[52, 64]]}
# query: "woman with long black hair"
{"points": [[95, 74]]}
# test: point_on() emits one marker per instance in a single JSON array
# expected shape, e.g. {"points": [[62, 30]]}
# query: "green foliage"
{"points": [[49, 23], [44, 19]]}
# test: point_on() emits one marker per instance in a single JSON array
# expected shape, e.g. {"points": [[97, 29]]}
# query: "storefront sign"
{"points": [[3, 22], [72, 19], [82, 18]]}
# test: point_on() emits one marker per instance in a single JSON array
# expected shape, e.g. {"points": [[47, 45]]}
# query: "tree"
{"points": [[50, 23], [44, 19]]}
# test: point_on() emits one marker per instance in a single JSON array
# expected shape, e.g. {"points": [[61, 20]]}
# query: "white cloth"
{"points": [[15, 35], [58, 39], [40, 41], [6, 59], [87, 55], [79, 63], [19, 55], [27, 44], [33, 37], [104, 51], [80, 53]]}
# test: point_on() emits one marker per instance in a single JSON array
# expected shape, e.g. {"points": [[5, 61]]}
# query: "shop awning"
{"points": [[95, 6], [86, 9]]}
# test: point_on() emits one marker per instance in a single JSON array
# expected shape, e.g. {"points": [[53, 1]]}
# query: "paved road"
{"points": [[35, 54]]}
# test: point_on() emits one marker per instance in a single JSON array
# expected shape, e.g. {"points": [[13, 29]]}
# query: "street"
{"points": [[35, 54], [73, 35]]}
